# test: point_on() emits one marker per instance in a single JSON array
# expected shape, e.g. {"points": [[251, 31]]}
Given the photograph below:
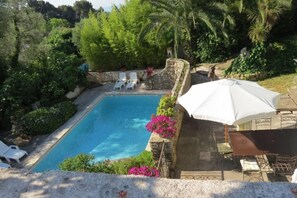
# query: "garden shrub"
{"points": [[212, 48], [143, 159], [274, 59], [254, 63], [66, 109], [46, 120], [280, 56], [81, 163], [166, 106], [162, 125], [85, 163]]}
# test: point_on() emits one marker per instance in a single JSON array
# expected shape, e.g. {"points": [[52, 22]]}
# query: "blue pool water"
{"points": [[113, 129]]}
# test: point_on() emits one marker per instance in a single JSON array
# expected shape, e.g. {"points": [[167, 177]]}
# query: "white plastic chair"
{"points": [[122, 76], [11, 152], [132, 82], [4, 165], [121, 81]]}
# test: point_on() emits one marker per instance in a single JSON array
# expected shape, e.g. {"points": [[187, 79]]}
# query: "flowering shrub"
{"points": [[162, 125], [166, 105], [144, 170], [149, 71]]}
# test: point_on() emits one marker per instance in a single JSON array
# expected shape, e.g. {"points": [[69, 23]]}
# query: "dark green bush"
{"points": [[85, 163], [280, 56], [81, 162], [143, 159], [66, 109], [166, 106], [211, 48], [254, 63], [274, 59], [46, 120]]}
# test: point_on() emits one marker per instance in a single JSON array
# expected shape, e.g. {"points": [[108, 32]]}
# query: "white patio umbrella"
{"points": [[229, 101]]}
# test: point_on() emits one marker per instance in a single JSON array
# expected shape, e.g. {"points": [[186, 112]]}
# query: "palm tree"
{"points": [[177, 16], [263, 15]]}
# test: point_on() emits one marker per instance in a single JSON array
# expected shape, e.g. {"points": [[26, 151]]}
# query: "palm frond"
{"points": [[206, 20]]}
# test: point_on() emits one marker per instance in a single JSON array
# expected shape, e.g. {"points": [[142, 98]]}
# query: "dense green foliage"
{"points": [[85, 163], [110, 41], [263, 15], [250, 64], [46, 120], [42, 69], [213, 48], [281, 55], [166, 106], [81, 162], [273, 59]]}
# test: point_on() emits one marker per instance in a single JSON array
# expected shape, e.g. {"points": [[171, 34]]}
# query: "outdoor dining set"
{"points": [[236, 103]]}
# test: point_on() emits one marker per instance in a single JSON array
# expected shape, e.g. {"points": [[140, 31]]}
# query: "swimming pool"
{"points": [[113, 129]]}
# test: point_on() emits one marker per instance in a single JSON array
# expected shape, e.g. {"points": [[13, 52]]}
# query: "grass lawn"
{"points": [[279, 84]]}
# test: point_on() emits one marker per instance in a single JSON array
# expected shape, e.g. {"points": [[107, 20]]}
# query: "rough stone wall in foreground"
{"points": [[20, 183]]}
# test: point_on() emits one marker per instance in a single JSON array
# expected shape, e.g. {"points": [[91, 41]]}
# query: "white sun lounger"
{"points": [[119, 85], [11, 152], [121, 81], [132, 82], [4, 165]]}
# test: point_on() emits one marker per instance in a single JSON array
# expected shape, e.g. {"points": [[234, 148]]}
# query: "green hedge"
{"points": [[46, 120]]}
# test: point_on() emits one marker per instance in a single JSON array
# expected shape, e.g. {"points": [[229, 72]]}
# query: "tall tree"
{"points": [[7, 39], [68, 13], [109, 40], [82, 8], [29, 28], [45, 8], [177, 17], [263, 15]]}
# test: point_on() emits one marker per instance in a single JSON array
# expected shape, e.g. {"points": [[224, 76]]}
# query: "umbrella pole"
{"points": [[226, 133]]}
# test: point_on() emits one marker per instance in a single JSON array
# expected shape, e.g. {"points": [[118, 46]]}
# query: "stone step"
{"points": [[202, 175]]}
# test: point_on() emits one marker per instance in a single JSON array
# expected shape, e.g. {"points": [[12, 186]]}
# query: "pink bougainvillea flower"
{"points": [[162, 125], [144, 170]]}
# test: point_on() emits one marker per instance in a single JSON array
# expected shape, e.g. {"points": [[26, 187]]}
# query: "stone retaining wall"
{"points": [[112, 76], [166, 79], [181, 85]]}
